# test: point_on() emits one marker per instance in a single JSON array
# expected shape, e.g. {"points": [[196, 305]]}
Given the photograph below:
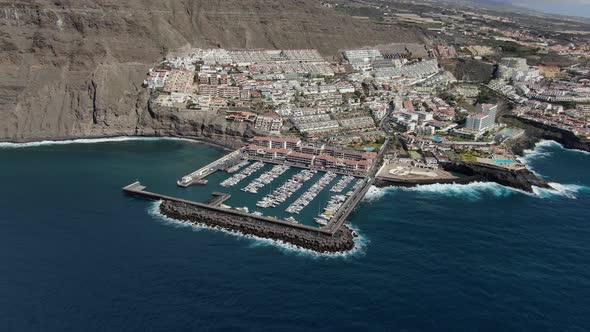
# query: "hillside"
{"points": [[73, 68]]}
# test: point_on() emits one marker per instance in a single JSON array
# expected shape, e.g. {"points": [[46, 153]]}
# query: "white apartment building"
{"points": [[479, 122]]}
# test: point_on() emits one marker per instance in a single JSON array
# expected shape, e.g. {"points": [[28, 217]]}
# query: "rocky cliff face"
{"points": [[72, 68], [165, 121], [522, 179], [536, 131]]}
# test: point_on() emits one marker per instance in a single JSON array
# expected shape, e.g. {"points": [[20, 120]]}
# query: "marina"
{"points": [[341, 184], [265, 179], [273, 199], [309, 200], [287, 193], [311, 193], [235, 179], [282, 193]]}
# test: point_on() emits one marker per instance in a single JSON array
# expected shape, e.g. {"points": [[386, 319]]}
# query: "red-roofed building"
{"points": [[301, 158], [277, 142]]}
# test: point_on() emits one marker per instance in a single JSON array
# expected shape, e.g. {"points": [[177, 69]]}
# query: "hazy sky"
{"points": [[566, 7]]}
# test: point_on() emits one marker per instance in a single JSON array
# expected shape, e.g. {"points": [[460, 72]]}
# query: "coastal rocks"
{"points": [[522, 179], [536, 131], [381, 182], [204, 125], [340, 241]]}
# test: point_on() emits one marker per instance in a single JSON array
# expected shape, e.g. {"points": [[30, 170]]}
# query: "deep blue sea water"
{"points": [[78, 255]]}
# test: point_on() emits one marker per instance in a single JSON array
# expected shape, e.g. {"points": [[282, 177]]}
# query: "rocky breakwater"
{"points": [[341, 241], [522, 178]]}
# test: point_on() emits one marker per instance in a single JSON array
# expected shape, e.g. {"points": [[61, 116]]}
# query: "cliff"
{"points": [[166, 122], [74, 68], [522, 179], [536, 131]]}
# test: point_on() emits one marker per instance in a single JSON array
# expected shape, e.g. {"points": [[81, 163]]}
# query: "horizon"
{"points": [[579, 8]]}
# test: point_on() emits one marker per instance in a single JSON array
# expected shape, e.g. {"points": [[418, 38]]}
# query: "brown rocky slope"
{"points": [[73, 68]]}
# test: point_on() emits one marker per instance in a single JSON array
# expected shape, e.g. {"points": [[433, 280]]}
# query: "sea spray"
{"points": [[538, 152], [8, 145], [360, 242], [473, 191], [558, 189], [477, 191], [550, 143]]}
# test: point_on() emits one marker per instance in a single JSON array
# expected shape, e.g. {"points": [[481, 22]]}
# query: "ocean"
{"points": [[78, 255]]}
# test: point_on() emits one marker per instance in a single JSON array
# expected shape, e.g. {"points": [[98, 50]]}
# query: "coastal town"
{"points": [[323, 129], [371, 94], [296, 166]]}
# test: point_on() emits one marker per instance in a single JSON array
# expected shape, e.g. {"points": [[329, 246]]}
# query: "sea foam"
{"points": [[472, 191], [360, 242], [8, 145], [558, 189], [537, 152], [477, 191]]}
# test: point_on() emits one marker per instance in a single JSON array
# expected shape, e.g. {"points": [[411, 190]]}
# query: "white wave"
{"points": [[375, 193], [360, 242], [89, 141], [537, 152], [472, 191], [558, 189], [548, 143], [580, 151]]}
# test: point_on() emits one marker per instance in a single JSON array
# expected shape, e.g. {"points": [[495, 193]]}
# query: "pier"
{"points": [[198, 176], [218, 198]]}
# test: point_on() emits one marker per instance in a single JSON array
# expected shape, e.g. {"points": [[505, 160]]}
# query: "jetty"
{"points": [[198, 176], [139, 190], [218, 198]]}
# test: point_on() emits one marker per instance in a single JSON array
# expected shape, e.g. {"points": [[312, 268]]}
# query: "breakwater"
{"points": [[341, 240], [333, 239]]}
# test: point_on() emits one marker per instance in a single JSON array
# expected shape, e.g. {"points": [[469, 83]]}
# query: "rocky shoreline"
{"points": [[341, 241], [521, 179], [382, 182], [229, 143], [536, 131]]}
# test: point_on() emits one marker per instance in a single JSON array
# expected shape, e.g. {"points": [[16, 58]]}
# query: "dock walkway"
{"points": [[209, 169], [351, 203], [218, 198]]}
